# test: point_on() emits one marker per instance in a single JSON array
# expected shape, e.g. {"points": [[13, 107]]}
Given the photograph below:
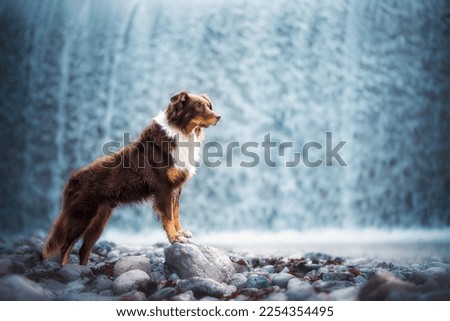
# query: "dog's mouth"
{"points": [[207, 124]]}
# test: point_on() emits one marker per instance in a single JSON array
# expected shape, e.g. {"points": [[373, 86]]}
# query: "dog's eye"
{"points": [[199, 107]]}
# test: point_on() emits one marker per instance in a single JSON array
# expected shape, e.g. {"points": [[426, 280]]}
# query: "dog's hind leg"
{"points": [[78, 225], [72, 237], [94, 231]]}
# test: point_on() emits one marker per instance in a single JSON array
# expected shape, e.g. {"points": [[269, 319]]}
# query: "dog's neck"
{"points": [[185, 144]]}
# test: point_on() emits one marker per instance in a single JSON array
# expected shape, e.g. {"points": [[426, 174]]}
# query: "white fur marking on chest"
{"points": [[185, 144]]}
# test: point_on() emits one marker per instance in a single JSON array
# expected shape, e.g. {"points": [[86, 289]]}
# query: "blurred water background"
{"points": [[77, 74]]}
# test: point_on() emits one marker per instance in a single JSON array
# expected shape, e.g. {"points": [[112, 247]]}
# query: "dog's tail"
{"points": [[56, 238]]}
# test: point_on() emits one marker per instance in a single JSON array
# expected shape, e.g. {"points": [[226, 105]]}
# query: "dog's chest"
{"points": [[186, 154]]}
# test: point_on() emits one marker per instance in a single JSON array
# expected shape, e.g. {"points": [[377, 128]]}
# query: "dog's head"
{"points": [[191, 112]]}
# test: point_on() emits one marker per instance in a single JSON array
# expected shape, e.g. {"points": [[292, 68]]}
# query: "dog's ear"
{"points": [[180, 97], [207, 98]]}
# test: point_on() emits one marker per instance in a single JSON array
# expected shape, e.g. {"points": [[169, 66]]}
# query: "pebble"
{"points": [[163, 294], [102, 283], [133, 296], [268, 269], [202, 287], [346, 294], [239, 280], [282, 279], [341, 276], [258, 281], [300, 290], [186, 296], [332, 285], [130, 280], [129, 263], [72, 272]]}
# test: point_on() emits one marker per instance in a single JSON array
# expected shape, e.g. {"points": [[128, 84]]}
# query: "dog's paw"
{"points": [[185, 233], [178, 239]]}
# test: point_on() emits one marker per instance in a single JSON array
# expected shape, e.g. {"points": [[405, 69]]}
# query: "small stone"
{"points": [[72, 272], [241, 297], [331, 286], [156, 278], [277, 296], [300, 290], [174, 277], [268, 269], [322, 270], [359, 281], [209, 298], [163, 294], [129, 263], [133, 296], [202, 287], [294, 282], [103, 247], [258, 281], [310, 267], [238, 280], [341, 276], [186, 296], [282, 279], [230, 290], [345, 294], [19, 288], [285, 270], [106, 293], [113, 255], [51, 265], [10, 267], [102, 283], [74, 259], [129, 281], [437, 264], [341, 268]]}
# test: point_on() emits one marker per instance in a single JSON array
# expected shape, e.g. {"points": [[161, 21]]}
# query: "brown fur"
{"points": [[143, 170]]}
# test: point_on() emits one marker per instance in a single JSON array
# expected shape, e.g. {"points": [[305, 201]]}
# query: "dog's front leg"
{"points": [[176, 214], [164, 206]]}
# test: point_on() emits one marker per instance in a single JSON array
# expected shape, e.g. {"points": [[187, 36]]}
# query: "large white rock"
{"points": [[192, 260]]}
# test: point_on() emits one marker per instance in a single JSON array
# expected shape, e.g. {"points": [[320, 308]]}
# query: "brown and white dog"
{"points": [[154, 167]]}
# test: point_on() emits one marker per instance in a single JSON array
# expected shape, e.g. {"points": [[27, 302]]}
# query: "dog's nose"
{"points": [[218, 117]]}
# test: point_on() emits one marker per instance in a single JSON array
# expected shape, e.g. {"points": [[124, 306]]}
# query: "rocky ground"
{"points": [[198, 272]]}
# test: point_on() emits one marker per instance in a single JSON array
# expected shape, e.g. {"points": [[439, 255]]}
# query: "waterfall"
{"points": [[375, 74]]}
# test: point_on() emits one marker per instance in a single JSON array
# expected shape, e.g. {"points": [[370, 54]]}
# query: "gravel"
{"points": [[188, 272]]}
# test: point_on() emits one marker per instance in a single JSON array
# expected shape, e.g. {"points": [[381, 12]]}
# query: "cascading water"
{"points": [[77, 74]]}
